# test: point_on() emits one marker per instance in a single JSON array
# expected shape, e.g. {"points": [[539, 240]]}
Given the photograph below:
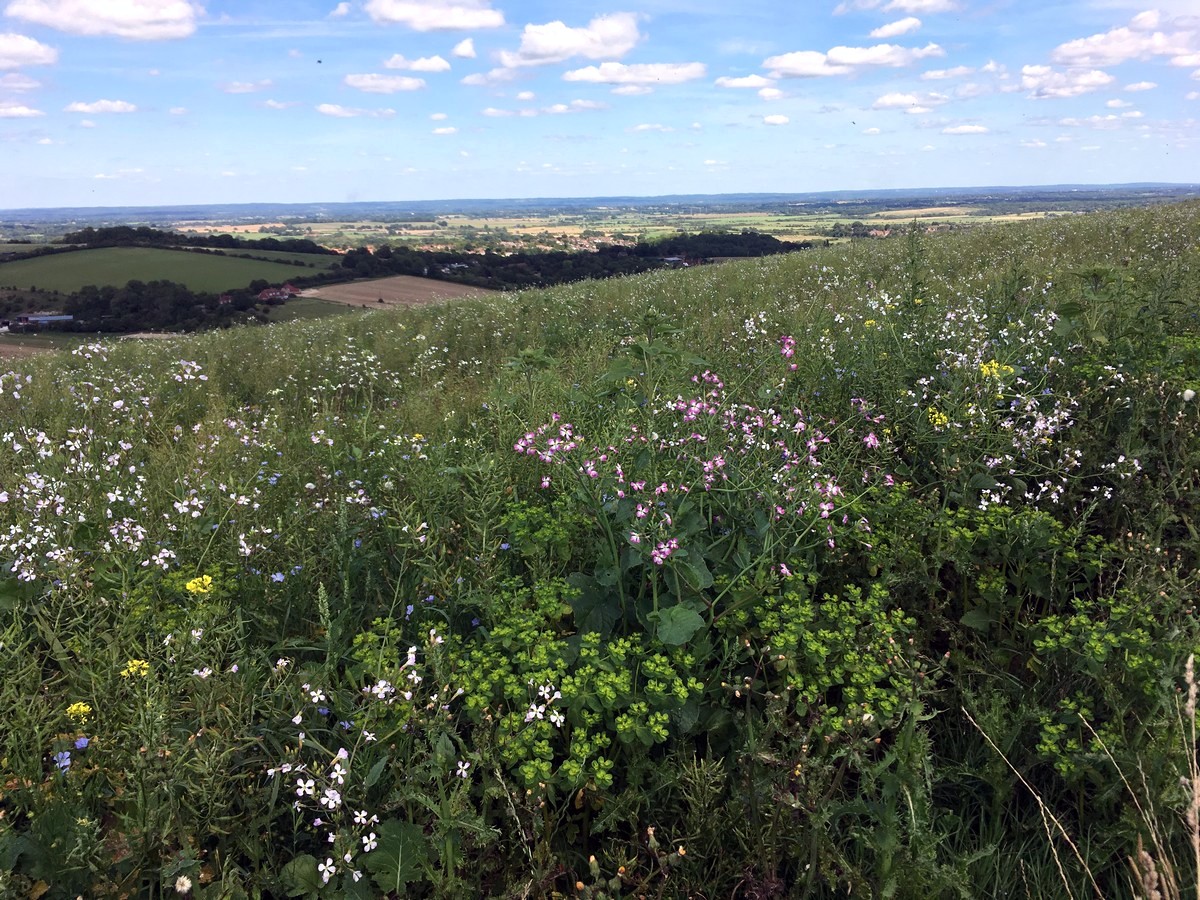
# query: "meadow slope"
{"points": [[865, 571]]}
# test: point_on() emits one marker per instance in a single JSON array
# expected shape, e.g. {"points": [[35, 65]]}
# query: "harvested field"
{"points": [[399, 290]]}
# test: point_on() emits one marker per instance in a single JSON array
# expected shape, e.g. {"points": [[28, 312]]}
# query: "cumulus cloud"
{"points": [[436, 15], [495, 76], [605, 37], [908, 6], [342, 9], [1139, 40], [102, 106], [965, 129], [526, 96], [897, 28], [771, 93], [1044, 82], [843, 60], [1141, 86], [245, 87], [384, 84], [749, 81], [1118, 104], [424, 64], [349, 112], [775, 120], [638, 73], [464, 49], [144, 20], [18, 111], [17, 50], [942, 74], [16, 81], [632, 90], [912, 103], [279, 104]]}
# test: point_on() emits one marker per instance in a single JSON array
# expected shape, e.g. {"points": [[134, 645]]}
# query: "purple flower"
{"points": [[277, 577], [62, 759], [81, 743]]}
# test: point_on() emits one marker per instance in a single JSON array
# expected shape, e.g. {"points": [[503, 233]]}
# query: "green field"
{"points": [[68, 272], [865, 572]]}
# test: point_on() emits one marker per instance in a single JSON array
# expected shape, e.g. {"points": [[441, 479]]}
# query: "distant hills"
{"points": [[1102, 195]]}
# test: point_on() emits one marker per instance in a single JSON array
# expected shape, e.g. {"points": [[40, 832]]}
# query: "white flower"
{"points": [[338, 773], [332, 798], [304, 787], [360, 817], [370, 842], [463, 768], [327, 869], [183, 884], [1189, 395]]}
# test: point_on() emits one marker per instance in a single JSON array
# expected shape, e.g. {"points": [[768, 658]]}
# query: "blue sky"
{"points": [[132, 102]]}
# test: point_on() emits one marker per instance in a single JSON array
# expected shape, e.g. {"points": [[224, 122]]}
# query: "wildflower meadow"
{"points": [[866, 571]]}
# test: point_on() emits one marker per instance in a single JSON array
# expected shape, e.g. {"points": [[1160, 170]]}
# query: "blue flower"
{"points": [[62, 759], [81, 743], [277, 577]]}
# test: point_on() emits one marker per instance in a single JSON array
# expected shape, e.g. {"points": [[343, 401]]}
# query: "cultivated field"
{"points": [[68, 272], [397, 291]]}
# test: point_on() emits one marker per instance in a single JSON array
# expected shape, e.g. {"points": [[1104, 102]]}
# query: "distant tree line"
{"points": [[143, 236], [517, 270]]}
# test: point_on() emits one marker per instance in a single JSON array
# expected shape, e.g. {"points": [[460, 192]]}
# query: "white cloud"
{"points": [[424, 64], [16, 81], [464, 49], [1044, 82], [17, 50], [910, 102], [965, 129], [142, 20], [941, 74], [526, 96], [279, 104], [872, 131], [1034, 144], [1118, 104], [1186, 60], [436, 15], [245, 87], [494, 113], [843, 60], [342, 9], [86, 123], [349, 112], [447, 129], [771, 93], [1118, 45], [638, 73], [495, 76], [1102, 123], [651, 127], [384, 84], [178, 110], [1141, 86], [632, 90], [921, 6], [605, 37], [102, 106], [1192, 95], [775, 120], [749, 81], [897, 28], [18, 111], [438, 117]]}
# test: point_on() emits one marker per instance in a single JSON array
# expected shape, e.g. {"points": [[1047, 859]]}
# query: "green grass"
{"points": [[68, 272], [306, 308], [688, 584]]}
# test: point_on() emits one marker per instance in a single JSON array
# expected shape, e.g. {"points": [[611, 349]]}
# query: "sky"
{"points": [[164, 102]]}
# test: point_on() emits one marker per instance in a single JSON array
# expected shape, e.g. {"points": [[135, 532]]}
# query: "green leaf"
{"points": [[374, 773], [980, 619], [695, 572], [300, 877], [398, 859], [677, 624]]}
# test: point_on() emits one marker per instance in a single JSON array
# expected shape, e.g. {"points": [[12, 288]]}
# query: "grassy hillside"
{"points": [[869, 571], [68, 272]]}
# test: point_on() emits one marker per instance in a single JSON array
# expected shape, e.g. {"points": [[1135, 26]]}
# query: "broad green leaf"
{"points": [[677, 624]]}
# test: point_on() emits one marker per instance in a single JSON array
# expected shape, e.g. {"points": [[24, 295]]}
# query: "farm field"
{"points": [[396, 291], [68, 272], [868, 571]]}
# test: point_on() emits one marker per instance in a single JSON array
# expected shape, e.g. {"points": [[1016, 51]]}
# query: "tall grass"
{"points": [[685, 584]]}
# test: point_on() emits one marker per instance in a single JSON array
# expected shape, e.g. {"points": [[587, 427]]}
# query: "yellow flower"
{"points": [[201, 585], [870, 323], [993, 369], [937, 418], [136, 668], [79, 712]]}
